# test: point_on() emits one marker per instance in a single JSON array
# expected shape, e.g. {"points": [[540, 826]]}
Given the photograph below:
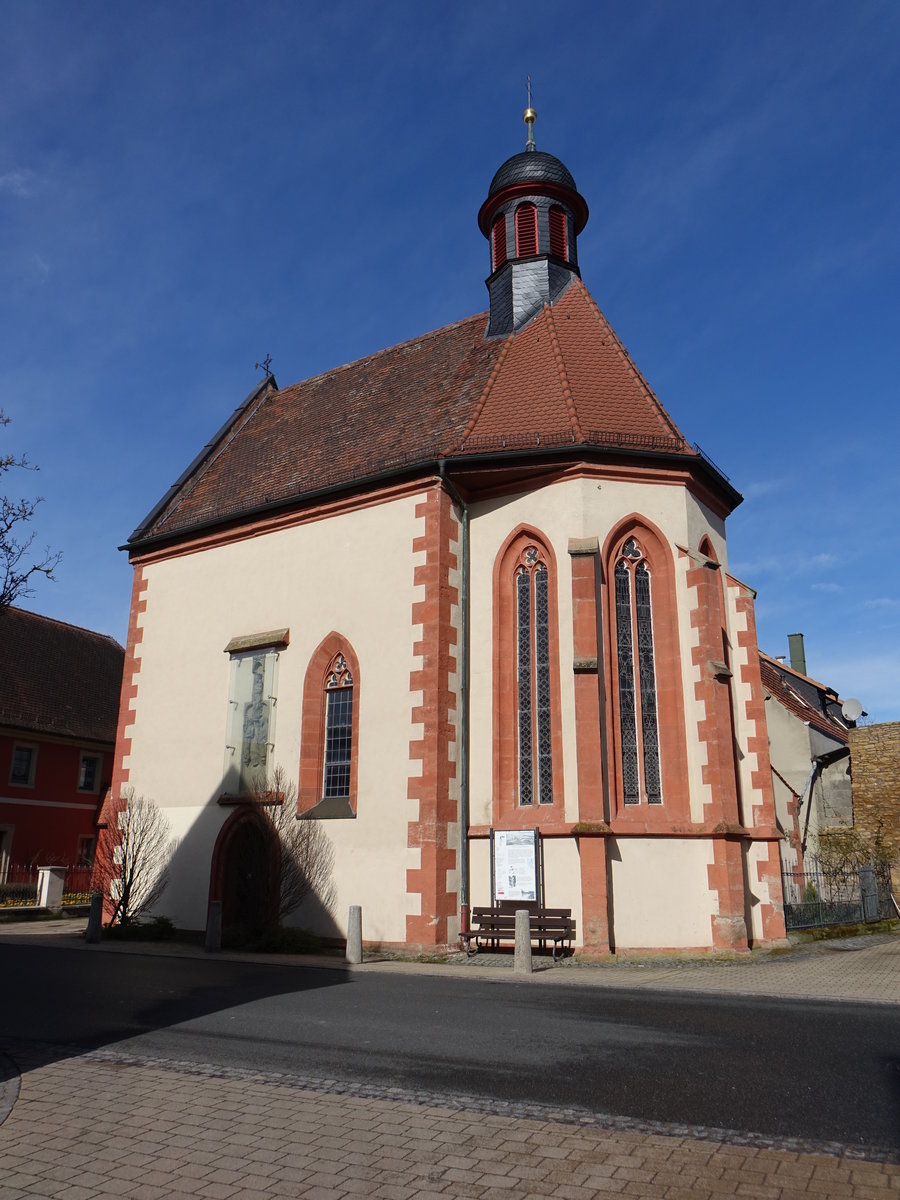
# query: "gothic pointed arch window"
{"points": [[338, 728], [535, 757], [528, 734], [329, 730], [636, 677], [645, 677]]}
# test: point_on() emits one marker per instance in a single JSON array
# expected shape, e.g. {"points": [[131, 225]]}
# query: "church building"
{"points": [[473, 585]]}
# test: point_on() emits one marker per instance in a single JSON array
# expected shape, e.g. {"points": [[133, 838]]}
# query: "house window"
{"points": [[329, 730], [535, 749], [636, 678], [24, 761], [526, 230], [338, 729], [89, 773], [498, 242], [87, 846], [251, 721], [558, 244]]}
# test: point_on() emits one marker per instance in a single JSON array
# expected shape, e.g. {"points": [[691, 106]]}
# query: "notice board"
{"points": [[515, 864]]}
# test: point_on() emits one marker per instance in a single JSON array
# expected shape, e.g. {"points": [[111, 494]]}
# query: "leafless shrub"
{"points": [[131, 867], [842, 848], [305, 855]]}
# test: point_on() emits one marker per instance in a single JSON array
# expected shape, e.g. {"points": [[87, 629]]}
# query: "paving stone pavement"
{"points": [[83, 1125], [96, 1125]]}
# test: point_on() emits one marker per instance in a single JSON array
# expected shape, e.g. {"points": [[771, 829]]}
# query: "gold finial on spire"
{"points": [[529, 117]]}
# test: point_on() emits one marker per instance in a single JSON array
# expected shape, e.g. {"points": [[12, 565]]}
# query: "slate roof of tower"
{"points": [[563, 379], [57, 678], [532, 166]]}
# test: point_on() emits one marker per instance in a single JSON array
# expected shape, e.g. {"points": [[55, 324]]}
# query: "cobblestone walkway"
{"points": [[96, 1125]]}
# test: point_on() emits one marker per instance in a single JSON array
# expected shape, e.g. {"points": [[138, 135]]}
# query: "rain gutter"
{"points": [[463, 667]]}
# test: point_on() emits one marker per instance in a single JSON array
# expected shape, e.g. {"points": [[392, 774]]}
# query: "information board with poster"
{"points": [[515, 865]]}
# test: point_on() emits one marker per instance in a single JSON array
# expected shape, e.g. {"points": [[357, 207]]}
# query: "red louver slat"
{"points": [[558, 233], [498, 242], [526, 230]]}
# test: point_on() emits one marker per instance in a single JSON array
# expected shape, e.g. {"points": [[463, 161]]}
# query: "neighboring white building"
{"points": [[477, 581], [810, 755]]}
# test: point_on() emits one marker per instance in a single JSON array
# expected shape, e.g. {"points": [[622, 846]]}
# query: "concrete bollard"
{"points": [[51, 885], [213, 927], [354, 935], [95, 920], [523, 965]]}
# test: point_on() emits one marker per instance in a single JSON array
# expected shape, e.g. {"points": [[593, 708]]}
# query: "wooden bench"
{"points": [[488, 927]]}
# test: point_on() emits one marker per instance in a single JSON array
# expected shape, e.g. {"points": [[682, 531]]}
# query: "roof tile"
{"points": [[58, 678]]}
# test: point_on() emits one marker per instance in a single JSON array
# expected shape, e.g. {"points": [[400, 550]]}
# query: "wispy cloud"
{"points": [[40, 269], [19, 182], [882, 603], [827, 587], [763, 487], [784, 565]]}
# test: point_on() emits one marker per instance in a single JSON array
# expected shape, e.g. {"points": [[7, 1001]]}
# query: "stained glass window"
{"points": [[638, 715], [523, 672], [533, 680], [338, 729]]}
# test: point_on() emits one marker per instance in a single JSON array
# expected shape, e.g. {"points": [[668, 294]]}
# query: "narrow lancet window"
{"points": [[338, 729], [638, 715], [533, 680]]}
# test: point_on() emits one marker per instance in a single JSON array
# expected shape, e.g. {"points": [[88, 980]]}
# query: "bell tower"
{"points": [[532, 217]]}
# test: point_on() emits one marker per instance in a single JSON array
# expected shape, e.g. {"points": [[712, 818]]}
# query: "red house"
{"points": [[59, 699]]}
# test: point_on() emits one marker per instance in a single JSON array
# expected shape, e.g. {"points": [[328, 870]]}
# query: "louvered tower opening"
{"points": [[526, 230]]}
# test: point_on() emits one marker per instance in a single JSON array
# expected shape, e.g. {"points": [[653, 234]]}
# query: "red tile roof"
{"points": [[565, 378], [57, 678], [774, 681]]}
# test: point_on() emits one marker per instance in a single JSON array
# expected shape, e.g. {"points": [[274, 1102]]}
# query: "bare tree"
{"points": [[131, 867], [842, 848], [16, 567], [306, 856]]}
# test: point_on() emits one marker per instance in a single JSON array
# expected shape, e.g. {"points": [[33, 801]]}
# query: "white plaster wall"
{"points": [[661, 894], [352, 573], [702, 521]]}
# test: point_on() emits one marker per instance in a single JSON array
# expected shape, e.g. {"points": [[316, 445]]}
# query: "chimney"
{"points": [[798, 654]]}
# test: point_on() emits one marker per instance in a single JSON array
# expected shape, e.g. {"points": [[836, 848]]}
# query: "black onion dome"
{"points": [[532, 166]]}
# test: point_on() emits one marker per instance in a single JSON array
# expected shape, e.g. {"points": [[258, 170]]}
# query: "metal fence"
{"points": [[848, 896], [19, 886]]}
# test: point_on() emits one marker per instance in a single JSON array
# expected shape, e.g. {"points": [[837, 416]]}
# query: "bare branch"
{"points": [[17, 570], [131, 867], [306, 855]]}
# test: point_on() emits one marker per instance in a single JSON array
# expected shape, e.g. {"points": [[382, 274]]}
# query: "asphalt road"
{"points": [[822, 1071]]}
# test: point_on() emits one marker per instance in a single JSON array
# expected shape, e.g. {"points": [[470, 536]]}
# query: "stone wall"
{"points": [[875, 755]]}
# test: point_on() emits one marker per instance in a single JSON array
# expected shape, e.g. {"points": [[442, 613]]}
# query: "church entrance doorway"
{"points": [[244, 877]]}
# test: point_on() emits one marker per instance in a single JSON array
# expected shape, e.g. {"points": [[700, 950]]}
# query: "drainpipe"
{"points": [[463, 668]]}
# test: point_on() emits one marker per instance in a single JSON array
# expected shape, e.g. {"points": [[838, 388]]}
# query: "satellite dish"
{"points": [[852, 709]]}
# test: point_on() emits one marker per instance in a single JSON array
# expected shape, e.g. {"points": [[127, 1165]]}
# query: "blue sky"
{"points": [[185, 188]]}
